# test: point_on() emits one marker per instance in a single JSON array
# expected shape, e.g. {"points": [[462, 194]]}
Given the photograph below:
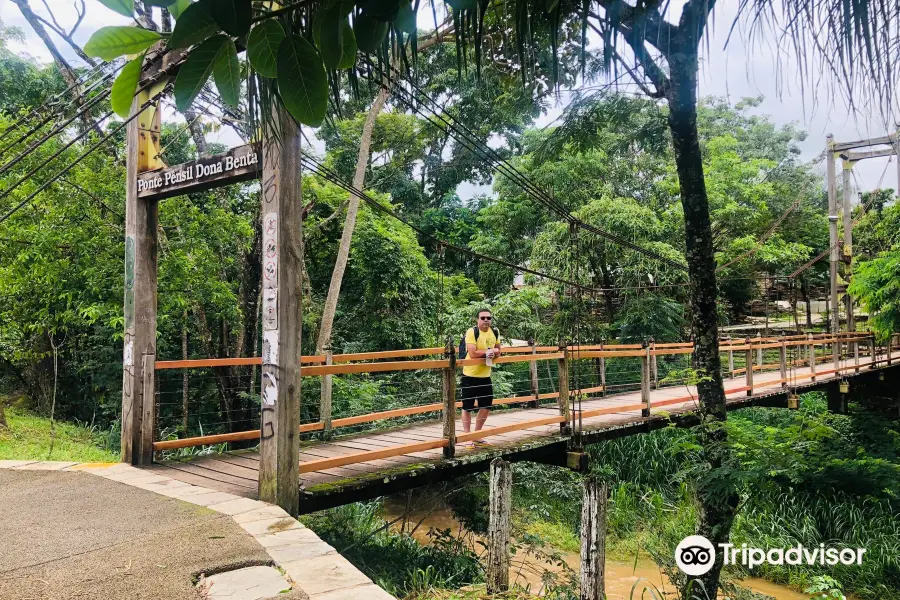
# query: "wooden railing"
{"points": [[753, 350]]}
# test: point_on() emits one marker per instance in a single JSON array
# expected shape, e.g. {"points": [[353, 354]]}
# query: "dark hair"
{"points": [[481, 310]]}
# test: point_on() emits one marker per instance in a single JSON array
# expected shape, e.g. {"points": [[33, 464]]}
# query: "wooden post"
{"points": [[872, 351], [888, 350], [279, 448], [563, 382], [856, 356], [730, 358], [500, 496], [602, 371], [645, 381], [325, 399], [653, 366], [832, 234], [812, 357], [759, 353], [533, 371], [148, 418], [448, 414], [848, 240], [782, 363], [748, 362], [836, 350], [593, 539], [141, 247]]}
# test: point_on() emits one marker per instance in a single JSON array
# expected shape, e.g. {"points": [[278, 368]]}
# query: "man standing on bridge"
{"points": [[482, 341]]}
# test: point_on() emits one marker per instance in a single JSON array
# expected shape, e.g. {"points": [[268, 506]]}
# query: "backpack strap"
{"points": [[477, 332]]}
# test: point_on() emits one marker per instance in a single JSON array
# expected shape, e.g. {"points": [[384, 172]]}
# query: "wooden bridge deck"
{"points": [[236, 472]]}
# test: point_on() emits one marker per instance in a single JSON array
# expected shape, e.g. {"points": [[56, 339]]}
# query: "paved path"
{"points": [[106, 532]]}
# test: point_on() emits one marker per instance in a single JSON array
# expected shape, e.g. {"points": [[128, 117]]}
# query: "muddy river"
{"points": [[621, 577]]}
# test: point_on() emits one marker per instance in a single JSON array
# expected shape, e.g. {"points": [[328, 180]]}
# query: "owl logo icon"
{"points": [[695, 555]]}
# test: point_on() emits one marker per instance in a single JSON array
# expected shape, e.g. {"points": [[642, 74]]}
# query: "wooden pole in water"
{"points": [[500, 493], [448, 414], [593, 539], [279, 448]]}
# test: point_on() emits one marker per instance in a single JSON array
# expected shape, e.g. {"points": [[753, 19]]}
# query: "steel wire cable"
{"points": [[80, 158], [53, 100], [329, 175], [465, 137], [51, 115]]}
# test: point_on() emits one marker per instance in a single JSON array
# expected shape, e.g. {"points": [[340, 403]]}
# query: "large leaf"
{"points": [[126, 83], [193, 26], [233, 16], [227, 73], [117, 40], [406, 19], [178, 7], [196, 70], [262, 47], [160, 3], [331, 37], [348, 56], [123, 7], [369, 33], [302, 81]]}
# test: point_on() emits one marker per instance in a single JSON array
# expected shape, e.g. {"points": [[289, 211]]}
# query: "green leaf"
{"points": [[178, 7], [406, 19], [227, 73], [463, 4], [348, 56], [160, 3], [302, 81], [123, 7], [195, 25], [233, 16], [331, 37], [116, 40], [369, 33], [196, 70], [126, 83], [262, 47]]}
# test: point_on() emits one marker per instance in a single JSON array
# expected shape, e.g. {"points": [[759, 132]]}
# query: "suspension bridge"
{"points": [[619, 392]]}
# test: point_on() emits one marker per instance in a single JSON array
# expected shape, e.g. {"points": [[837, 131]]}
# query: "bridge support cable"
{"points": [[415, 102]]}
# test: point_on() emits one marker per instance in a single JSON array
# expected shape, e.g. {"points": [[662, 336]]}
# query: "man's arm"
{"points": [[473, 351]]}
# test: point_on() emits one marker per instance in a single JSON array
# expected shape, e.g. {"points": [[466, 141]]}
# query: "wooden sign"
{"points": [[238, 164]]}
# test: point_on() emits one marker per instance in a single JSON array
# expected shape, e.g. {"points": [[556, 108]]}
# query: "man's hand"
{"points": [[497, 350]]}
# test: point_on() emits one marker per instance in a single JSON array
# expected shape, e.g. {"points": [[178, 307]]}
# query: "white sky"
{"points": [[731, 72]]}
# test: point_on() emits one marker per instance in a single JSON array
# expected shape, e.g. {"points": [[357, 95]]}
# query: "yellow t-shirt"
{"points": [[486, 339]]}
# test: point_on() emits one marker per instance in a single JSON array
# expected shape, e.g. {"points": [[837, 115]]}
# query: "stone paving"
{"points": [[311, 565]]}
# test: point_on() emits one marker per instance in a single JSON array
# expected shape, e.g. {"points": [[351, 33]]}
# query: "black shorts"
{"points": [[478, 390]]}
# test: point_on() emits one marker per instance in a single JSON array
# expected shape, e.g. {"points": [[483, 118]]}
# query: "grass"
{"points": [[28, 437]]}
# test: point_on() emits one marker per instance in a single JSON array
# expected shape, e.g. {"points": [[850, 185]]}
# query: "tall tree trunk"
{"points": [[718, 499], [3, 423], [340, 263]]}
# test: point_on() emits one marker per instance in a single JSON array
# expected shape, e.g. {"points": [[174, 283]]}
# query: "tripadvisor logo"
{"points": [[695, 555]]}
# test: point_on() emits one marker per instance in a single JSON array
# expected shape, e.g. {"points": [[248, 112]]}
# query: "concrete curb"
{"points": [[312, 565]]}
